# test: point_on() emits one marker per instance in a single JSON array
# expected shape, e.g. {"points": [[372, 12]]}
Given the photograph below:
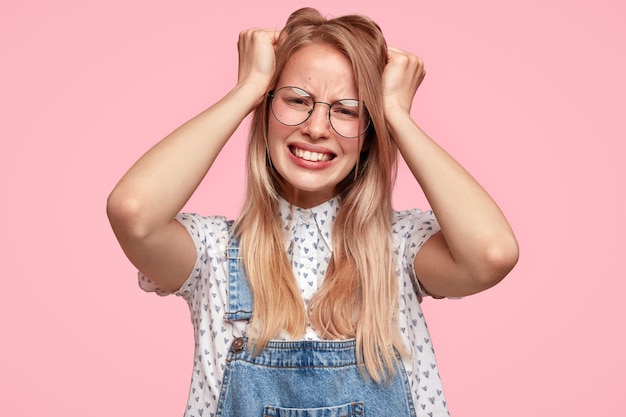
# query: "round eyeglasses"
{"points": [[293, 106]]}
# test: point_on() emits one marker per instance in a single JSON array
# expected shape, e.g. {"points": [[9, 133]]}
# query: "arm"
{"points": [[142, 206], [476, 247]]}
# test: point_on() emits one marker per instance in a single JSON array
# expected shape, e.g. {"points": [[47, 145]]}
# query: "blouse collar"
{"points": [[323, 216]]}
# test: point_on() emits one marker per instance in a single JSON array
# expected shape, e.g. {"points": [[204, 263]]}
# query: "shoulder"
{"points": [[206, 231], [411, 221], [410, 229], [206, 222]]}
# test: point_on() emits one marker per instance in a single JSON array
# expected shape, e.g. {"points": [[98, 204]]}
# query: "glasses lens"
{"points": [[292, 106], [344, 117]]}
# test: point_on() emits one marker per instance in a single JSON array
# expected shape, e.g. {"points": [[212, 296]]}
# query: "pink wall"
{"points": [[529, 96]]}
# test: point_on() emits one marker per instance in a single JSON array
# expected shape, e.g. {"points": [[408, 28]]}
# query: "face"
{"points": [[311, 157]]}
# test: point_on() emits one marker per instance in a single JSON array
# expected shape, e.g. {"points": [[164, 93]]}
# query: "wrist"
{"points": [[247, 94], [395, 113], [254, 85]]}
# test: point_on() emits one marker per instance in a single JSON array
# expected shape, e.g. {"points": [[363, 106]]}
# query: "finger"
{"points": [[392, 53], [394, 49], [397, 52]]}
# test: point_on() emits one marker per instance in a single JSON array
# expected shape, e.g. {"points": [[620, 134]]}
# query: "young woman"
{"points": [[309, 303]]}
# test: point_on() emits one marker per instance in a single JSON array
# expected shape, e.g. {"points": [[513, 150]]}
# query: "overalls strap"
{"points": [[240, 303]]}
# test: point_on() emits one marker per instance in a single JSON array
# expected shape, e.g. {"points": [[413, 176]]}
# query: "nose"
{"points": [[318, 123]]}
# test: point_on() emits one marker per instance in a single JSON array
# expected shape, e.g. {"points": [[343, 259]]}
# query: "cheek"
{"points": [[353, 148], [277, 132], [276, 136]]}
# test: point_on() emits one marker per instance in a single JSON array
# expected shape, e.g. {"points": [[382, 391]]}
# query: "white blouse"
{"points": [[309, 247]]}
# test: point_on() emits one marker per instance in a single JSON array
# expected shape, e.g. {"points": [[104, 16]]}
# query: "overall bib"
{"points": [[300, 378]]}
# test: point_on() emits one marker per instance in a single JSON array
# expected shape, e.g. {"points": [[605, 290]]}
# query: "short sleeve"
{"points": [[210, 238], [411, 229]]}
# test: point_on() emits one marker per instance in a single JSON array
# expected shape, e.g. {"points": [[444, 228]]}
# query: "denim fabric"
{"points": [[239, 295], [301, 378]]}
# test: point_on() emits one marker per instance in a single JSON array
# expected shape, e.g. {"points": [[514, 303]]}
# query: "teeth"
{"points": [[311, 156]]}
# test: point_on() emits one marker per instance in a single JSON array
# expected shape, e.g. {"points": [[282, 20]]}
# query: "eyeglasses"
{"points": [[293, 106]]}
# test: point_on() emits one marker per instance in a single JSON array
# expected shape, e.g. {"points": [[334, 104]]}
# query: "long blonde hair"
{"points": [[359, 295]]}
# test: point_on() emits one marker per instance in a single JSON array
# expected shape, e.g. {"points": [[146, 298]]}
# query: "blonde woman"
{"points": [[309, 303]]}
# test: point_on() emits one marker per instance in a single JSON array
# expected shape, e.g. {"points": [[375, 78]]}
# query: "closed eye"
{"points": [[298, 101], [346, 109]]}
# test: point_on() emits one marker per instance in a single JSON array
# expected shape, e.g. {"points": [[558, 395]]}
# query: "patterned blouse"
{"points": [[309, 247]]}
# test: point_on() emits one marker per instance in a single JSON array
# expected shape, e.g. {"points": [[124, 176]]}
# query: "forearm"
{"points": [[159, 184], [477, 234]]}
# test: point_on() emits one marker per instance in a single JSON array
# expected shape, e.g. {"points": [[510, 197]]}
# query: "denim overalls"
{"points": [[300, 378]]}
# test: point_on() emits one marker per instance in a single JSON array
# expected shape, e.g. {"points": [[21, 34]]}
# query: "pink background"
{"points": [[528, 95]]}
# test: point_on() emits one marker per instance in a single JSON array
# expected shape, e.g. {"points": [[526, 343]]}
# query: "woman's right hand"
{"points": [[257, 57]]}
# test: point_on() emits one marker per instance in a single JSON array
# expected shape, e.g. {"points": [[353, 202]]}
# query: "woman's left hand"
{"points": [[402, 76]]}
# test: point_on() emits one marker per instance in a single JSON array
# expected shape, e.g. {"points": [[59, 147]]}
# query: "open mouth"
{"points": [[311, 156]]}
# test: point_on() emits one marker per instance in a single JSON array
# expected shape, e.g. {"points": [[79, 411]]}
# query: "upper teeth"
{"points": [[311, 156]]}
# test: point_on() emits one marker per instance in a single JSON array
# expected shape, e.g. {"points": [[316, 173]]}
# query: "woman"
{"points": [[309, 303]]}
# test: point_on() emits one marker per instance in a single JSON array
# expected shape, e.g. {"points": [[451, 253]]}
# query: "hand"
{"points": [[257, 57], [402, 76]]}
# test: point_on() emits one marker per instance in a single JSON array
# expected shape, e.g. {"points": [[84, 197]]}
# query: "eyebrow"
{"points": [[304, 93]]}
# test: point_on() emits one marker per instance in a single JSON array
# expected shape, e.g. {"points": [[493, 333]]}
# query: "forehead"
{"points": [[320, 69]]}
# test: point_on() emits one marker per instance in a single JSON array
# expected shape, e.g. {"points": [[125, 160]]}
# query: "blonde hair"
{"points": [[359, 295]]}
